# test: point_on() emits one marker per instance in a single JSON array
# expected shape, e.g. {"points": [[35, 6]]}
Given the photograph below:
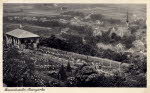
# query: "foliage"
{"points": [[128, 40], [13, 53], [73, 13], [71, 82], [56, 83], [88, 77], [87, 70], [97, 17], [69, 69], [62, 73], [113, 21], [18, 70], [139, 62]]}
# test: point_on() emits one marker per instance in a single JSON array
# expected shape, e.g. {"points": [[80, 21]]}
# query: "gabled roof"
{"points": [[20, 33], [120, 31]]}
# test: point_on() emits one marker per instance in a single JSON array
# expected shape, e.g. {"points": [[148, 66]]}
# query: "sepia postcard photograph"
{"points": [[84, 45]]}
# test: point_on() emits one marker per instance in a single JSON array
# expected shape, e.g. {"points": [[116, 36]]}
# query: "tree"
{"points": [[69, 69], [139, 62], [12, 53], [18, 69], [82, 74], [97, 17], [95, 80], [62, 73]]}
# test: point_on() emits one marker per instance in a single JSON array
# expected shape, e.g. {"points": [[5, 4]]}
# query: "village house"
{"points": [[22, 39], [63, 21], [119, 31], [64, 30]]}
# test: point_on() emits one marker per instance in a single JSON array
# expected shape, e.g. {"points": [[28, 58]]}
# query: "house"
{"points": [[64, 30], [22, 39], [63, 21], [119, 31], [97, 31]]}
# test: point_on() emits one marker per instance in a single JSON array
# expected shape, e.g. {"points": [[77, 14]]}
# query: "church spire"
{"points": [[127, 19]]}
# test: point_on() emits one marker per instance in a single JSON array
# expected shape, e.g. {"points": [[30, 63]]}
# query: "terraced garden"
{"points": [[49, 58]]}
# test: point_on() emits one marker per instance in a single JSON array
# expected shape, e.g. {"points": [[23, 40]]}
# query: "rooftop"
{"points": [[20, 33]]}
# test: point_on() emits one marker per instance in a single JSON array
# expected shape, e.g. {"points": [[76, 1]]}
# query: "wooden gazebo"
{"points": [[22, 39]]}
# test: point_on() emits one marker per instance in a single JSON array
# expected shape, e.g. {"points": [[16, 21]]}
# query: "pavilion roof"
{"points": [[20, 33]]}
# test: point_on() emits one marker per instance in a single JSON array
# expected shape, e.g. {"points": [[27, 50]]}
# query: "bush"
{"points": [[113, 21], [56, 83], [12, 53], [97, 17], [87, 70], [128, 40], [18, 69], [139, 62], [73, 13], [95, 80], [71, 82]]}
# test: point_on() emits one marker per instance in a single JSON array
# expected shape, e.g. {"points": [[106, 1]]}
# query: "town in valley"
{"points": [[74, 45]]}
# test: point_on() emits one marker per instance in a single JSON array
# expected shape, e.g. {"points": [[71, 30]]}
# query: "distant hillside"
{"points": [[31, 9], [110, 10]]}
